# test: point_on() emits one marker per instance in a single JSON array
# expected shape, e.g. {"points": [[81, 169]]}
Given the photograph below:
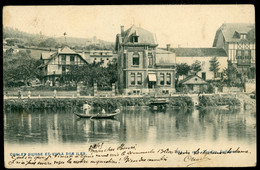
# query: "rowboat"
{"points": [[98, 116]]}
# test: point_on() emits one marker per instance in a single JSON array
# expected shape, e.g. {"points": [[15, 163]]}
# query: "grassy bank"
{"points": [[98, 103], [218, 100]]}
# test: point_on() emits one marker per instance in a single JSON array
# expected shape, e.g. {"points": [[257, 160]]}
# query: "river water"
{"points": [[133, 125]]}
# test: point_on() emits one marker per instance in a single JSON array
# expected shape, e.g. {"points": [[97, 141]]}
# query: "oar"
{"points": [[92, 116]]}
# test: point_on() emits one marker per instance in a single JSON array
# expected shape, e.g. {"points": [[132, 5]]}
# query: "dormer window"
{"points": [[135, 37], [242, 36]]}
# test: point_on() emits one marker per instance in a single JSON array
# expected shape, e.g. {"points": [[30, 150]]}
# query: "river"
{"points": [[133, 125]]}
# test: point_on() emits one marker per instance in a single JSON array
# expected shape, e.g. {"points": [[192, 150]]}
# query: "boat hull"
{"points": [[99, 116]]}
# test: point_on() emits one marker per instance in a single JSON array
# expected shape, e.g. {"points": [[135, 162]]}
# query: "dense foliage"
{"points": [[108, 104], [20, 68], [217, 100]]}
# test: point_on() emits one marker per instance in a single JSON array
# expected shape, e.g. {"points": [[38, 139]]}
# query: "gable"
{"points": [[194, 79], [144, 36]]}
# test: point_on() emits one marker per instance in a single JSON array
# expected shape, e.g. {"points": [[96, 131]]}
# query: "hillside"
{"points": [[16, 37]]}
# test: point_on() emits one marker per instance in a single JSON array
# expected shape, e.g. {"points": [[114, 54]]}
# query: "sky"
{"points": [[178, 25]]}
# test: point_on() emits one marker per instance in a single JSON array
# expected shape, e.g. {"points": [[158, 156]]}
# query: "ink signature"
{"points": [[193, 160]]}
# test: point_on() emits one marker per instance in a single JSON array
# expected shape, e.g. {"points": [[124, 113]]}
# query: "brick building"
{"points": [[142, 68]]}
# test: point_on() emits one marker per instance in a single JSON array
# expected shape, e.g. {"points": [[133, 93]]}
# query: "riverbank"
{"points": [[111, 103], [182, 102], [232, 101]]}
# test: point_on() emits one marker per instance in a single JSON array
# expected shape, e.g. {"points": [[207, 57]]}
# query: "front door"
{"points": [[151, 84]]}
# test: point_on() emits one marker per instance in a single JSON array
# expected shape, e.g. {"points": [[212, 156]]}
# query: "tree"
{"points": [[229, 74], [76, 73], [20, 67], [112, 70], [196, 66], [182, 69], [214, 66]]}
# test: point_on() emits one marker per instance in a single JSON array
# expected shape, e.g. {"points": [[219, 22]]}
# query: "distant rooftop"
{"points": [[199, 52], [229, 29]]}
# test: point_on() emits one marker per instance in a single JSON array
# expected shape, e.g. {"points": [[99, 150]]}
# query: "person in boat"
{"points": [[86, 108], [103, 111], [117, 111]]}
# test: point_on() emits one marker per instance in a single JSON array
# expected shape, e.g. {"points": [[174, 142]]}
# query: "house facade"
{"points": [[142, 68], [56, 65], [203, 55], [238, 40], [104, 56]]}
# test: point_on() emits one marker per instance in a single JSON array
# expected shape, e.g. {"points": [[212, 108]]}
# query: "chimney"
{"points": [[122, 29], [59, 50], [168, 46]]}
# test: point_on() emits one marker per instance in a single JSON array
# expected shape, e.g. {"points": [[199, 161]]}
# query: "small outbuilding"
{"points": [[193, 84]]}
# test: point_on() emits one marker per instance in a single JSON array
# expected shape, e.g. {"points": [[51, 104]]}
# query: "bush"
{"points": [[217, 100]]}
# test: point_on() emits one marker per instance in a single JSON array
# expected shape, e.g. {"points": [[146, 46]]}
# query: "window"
{"points": [[72, 59], [150, 60], [168, 79], [63, 59], [135, 39], [247, 54], [239, 53], [203, 75], [243, 57], [242, 36], [63, 68], [139, 78], [165, 91], [161, 79], [136, 60], [132, 78], [218, 74]]}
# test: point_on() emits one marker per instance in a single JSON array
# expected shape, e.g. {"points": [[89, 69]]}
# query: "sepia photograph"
{"points": [[97, 86]]}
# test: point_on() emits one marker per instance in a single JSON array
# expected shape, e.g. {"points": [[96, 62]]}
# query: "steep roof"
{"points": [[228, 30], [46, 56], [199, 52], [67, 50], [193, 79], [145, 37], [51, 55]]}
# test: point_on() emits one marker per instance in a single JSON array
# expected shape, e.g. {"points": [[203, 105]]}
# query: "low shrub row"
{"points": [[217, 100], [99, 103]]}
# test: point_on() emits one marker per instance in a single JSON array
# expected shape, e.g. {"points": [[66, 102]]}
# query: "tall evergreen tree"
{"points": [[214, 66]]}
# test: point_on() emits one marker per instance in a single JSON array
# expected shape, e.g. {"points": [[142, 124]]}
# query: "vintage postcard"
{"points": [[129, 86]]}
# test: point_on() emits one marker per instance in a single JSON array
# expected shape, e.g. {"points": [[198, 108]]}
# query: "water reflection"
{"points": [[135, 125]]}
